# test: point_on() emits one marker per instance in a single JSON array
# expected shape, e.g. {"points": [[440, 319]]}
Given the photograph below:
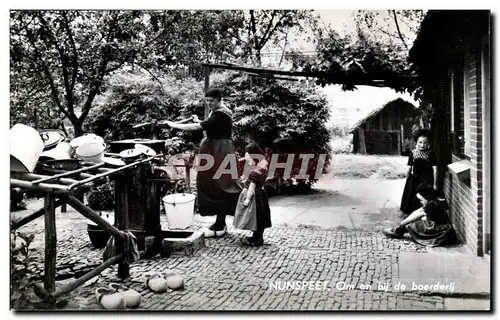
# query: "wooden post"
{"points": [[122, 223], [207, 85], [400, 143], [50, 244], [188, 167], [362, 144]]}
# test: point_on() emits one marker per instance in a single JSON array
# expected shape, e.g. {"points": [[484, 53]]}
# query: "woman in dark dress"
{"points": [[216, 195], [253, 211], [428, 225], [423, 169]]}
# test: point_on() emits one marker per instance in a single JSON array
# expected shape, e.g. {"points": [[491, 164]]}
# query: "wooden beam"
{"points": [[47, 187], [272, 77], [113, 171], [316, 74], [67, 174], [50, 244], [90, 214], [33, 216], [122, 223], [78, 282], [34, 177]]}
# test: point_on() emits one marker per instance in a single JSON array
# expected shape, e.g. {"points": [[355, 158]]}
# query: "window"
{"points": [[466, 133], [452, 100], [460, 118]]}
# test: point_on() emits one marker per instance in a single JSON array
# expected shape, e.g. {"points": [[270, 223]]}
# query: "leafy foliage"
{"points": [[64, 57], [134, 97], [281, 116], [67, 54], [358, 59], [19, 266], [266, 28], [284, 117]]}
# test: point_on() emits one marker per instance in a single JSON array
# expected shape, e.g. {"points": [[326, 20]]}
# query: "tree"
{"points": [[267, 28], [196, 36], [32, 106], [69, 53], [395, 28], [65, 57], [370, 53]]}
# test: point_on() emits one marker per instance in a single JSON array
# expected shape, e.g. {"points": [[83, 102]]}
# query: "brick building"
{"points": [[452, 57]]}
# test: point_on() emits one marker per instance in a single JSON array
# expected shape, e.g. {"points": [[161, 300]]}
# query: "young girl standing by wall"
{"points": [[423, 169]]}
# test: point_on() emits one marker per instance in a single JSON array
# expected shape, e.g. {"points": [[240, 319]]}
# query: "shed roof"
{"points": [[379, 109]]}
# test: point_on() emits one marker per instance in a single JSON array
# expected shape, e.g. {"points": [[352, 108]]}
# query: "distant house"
{"points": [[452, 57], [387, 129]]}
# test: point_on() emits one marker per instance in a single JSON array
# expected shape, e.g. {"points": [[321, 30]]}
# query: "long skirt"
{"points": [[217, 195], [431, 234], [409, 200]]}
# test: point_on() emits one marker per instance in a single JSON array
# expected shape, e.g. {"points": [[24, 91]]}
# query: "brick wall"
{"points": [[465, 200]]}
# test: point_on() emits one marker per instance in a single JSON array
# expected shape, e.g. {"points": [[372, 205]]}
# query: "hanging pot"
{"points": [[26, 146], [145, 150], [113, 162]]}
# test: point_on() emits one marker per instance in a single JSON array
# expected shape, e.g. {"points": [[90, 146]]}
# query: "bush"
{"points": [[21, 276], [134, 98], [283, 117]]}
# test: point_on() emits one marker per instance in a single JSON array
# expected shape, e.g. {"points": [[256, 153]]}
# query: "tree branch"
{"points": [[64, 60], [264, 41], [100, 73], [253, 29], [151, 74], [397, 27], [264, 35], [284, 50], [55, 93], [73, 48]]}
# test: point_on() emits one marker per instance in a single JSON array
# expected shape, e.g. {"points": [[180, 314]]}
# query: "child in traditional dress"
{"points": [[428, 225], [423, 169], [253, 211]]}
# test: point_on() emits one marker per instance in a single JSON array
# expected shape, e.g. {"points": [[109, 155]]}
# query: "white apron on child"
{"points": [[245, 218]]}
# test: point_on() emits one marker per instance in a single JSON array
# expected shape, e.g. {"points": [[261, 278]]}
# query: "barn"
{"points": [[387, 129]]}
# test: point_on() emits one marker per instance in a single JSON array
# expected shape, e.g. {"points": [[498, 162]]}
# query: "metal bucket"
{"points": [[179, 208], [26, 146], [91, 151]]}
